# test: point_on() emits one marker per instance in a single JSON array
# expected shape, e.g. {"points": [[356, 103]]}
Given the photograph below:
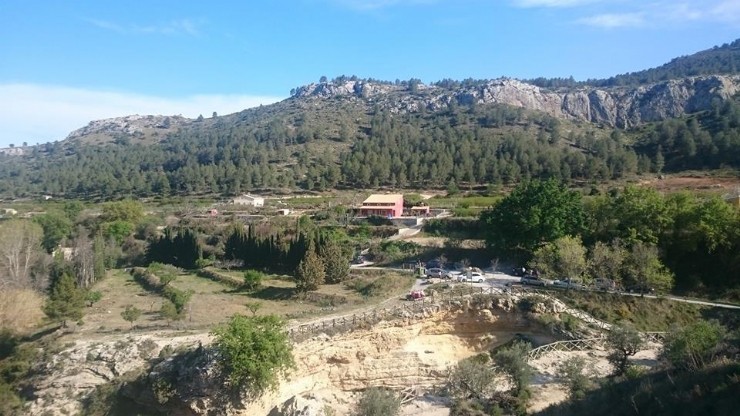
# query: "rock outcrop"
{"points": [[129, 125], [72, 374], [622, 107]]}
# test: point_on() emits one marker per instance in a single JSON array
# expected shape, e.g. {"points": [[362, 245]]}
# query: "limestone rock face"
{"points": [[72, 374], [129, 125], [301, 405], [615, 106]]}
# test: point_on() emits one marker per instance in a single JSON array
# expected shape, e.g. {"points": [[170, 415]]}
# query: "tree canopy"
{"points": [[254, 352], [533, 214]]}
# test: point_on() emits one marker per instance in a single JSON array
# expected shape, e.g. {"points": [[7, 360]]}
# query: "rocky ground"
{"points": [[410, 354]]}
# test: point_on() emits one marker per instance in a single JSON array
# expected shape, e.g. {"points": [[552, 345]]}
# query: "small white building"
{"points": [[247, 199]]}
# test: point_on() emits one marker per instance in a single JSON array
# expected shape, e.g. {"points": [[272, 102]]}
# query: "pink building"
{"points": [[390, 205]]}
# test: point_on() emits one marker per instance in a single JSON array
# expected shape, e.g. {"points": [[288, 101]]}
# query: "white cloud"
{"points": [[174, 27], [41, 113], [552, 3], [614, 20], [632, 13], [727, 10]]}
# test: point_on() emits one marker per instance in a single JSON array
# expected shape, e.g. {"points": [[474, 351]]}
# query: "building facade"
{"points": [[247, 199], [383, 205]]}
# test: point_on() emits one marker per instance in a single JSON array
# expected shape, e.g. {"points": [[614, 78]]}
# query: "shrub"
{"points": [[218, 277], [622, 343], [694, 346], [131, 314], [253, 352], [572, 371], [252, 280], [513, 362], [472, 377], [378, 402]]}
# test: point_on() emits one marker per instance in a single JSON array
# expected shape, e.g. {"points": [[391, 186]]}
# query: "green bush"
{"points": [[694, 346], [253, 352], [252, 280], [218, 277], [378, 402], [461, 227], [573, 372]]}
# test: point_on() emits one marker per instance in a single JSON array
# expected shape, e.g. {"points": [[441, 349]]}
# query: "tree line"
{"points": [[634, 235], [465, 144], [723, 59]]}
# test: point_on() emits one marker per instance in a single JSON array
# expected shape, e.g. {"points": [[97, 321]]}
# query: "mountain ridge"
{"points": [[621, 107], [686, 84]]}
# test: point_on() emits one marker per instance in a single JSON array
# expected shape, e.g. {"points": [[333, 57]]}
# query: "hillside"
{"points": [[363, 133], [723, 59]]}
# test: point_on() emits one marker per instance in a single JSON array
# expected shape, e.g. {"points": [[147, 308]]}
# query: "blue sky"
{"points": [[65, 63]]}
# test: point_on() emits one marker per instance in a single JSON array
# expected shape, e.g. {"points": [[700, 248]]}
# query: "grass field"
{"points": [[643, 313], [472, 201], [214, 302]]}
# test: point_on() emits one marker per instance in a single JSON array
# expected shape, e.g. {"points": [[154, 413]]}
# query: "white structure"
{"points": [[247, 199]]}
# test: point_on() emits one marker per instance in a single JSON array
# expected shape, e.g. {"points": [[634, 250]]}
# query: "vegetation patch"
{"points": [[645, 314], [712, 391], [466, 228], [384, 285], [212, 274]]}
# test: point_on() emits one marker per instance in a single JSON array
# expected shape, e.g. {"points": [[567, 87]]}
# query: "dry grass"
{"points": [[20, 309], [213, 303]]}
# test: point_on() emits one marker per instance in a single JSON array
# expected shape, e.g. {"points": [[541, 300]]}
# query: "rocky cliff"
{"points": [[622, 107], [130, 125]]}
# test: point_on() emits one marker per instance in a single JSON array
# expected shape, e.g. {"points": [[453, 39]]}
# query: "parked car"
{"points": [[528, 279], [415, 295], [437, 272], [518, 271], [569, 284], [602, 283], [640, 288], [476, 277]]}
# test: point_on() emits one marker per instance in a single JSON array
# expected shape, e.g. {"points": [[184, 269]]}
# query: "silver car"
{"points": [[438, 273]]}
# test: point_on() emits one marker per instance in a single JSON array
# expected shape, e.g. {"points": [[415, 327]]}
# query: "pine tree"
{"points": [[310, 273], [66, 300]]}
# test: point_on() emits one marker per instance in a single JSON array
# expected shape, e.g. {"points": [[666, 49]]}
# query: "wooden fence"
{"points": [[409, 309], [569, 345], [347, 323], [586, 344]]}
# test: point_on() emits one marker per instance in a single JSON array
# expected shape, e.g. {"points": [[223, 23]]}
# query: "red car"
{"points": [[415, 295]]}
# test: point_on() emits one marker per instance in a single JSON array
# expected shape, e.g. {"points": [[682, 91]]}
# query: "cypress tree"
{"points": [[66, 300], [310, 273]]}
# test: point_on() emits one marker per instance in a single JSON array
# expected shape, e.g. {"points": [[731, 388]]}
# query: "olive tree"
{"points": [[622, 342], [131, 314], [378, 402], [573, 373], [472, 378]]}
